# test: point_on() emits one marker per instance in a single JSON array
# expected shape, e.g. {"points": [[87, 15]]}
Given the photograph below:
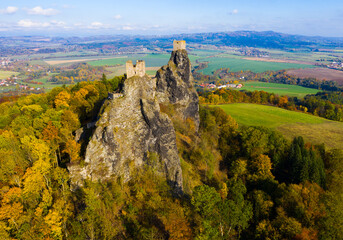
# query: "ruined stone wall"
{"points": [[130, 71], [135, 70], [140, 68], [179, 45]]}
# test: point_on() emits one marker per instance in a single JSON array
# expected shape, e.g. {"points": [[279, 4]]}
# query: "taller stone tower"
{"points": [[175, 84], [179, 45]]}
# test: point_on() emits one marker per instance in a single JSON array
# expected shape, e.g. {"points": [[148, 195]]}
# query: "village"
{"points": [[336, 65], [13, 83], [213, 86]]}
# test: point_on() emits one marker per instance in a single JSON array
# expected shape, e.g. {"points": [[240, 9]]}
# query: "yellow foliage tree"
{"points": [[262, 167]]}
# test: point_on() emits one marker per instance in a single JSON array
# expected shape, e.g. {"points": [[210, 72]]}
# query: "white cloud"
{"points": [[97, 25], [127, 28], [117, 16], [31, 24], [58, 23], [9, 10], [27, 23], [235, 11], [41, 11]]}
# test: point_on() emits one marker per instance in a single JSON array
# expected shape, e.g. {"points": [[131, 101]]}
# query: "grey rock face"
{"points": [[132, 131], [174, 85]]}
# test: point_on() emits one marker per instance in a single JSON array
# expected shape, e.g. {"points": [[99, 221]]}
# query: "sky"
{"points": [[158, 17]]}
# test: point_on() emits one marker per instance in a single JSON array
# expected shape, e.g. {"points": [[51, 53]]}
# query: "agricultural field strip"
{"points": [[279, 88], [314, 129], [69, 60], [151, 60], [319, 73], [277, 60], [238, 63]]}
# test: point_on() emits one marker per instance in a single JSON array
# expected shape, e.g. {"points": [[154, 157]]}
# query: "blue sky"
{"points": [[110, 17]]}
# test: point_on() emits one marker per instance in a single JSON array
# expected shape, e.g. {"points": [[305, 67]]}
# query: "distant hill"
{"points": [[267, 39]]}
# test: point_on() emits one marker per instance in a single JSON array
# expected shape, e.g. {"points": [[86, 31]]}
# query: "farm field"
{"points": [[240, 64], [280, 89], [108, 62], [151, 60], [276, 60], [302, 55], [6, 74], [59, 55], [314, 129], [319, 73], [204, 52], [72, 60]]}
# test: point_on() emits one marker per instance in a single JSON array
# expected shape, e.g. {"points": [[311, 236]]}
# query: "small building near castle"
{"points": [[179, 45], [135, 70]]}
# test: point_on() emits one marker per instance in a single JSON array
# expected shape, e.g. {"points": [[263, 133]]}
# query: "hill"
{"points": [[314, 129], [156, 165]]}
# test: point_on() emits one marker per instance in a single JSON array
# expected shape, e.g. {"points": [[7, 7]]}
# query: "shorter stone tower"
{"points": [[179, 45], [135, 70]]}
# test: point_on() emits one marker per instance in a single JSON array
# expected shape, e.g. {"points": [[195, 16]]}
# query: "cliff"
{"points": [[132, 131], [174, 85]]}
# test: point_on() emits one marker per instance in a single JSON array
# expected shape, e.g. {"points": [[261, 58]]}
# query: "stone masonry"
{"points": [[135, 70], [179, 45]]}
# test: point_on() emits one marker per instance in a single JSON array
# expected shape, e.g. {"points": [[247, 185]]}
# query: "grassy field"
{"points": [[237, 64], [109, 62], [280, 89], [6, 74], [314, 129], [204, 52], [151, 60]]}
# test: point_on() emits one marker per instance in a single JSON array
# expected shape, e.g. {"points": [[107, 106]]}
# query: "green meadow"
{"points": [[237, 64], [280, 89], [314, 129], [6, 74], [151, 60]]}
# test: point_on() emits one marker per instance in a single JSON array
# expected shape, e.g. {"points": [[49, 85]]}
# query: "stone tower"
{"points": [[179, 45], [135, 70]]}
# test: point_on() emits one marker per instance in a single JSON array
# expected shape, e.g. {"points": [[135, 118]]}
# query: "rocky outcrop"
{"points": [[132, 131], [174, 85]]}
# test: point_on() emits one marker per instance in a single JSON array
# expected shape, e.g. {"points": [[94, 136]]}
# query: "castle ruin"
{"points": [[179, 45], [135, 70]]}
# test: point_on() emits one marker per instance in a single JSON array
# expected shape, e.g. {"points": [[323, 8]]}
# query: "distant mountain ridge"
{"points": [[266, 39]]}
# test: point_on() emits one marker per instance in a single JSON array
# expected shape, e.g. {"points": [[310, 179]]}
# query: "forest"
{"points": [[239, 182]]}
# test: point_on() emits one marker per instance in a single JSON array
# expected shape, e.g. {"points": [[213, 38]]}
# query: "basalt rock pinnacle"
{"points": [[132, 131], [174, 85]]}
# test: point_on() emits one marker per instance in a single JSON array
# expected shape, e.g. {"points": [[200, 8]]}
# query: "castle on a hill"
{"points": [[135, 70], [179, 45], [139, 68]]}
